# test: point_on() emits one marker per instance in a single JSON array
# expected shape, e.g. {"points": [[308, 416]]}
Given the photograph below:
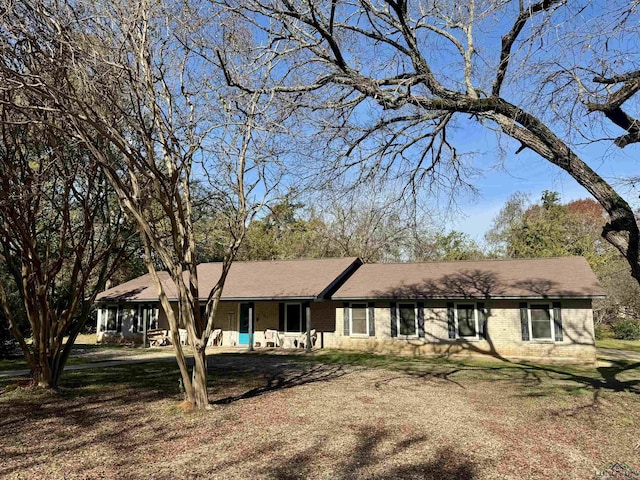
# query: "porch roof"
{"points": [[260, 280], [560, 277]]}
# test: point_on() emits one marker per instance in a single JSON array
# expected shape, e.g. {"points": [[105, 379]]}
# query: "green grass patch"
{"points": [[631, 345], [552, 379], [21, 363], [480, 364], [158, 376], [83, 354], [256, 372]]}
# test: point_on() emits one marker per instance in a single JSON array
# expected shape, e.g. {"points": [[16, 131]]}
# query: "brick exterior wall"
{"points": [[503, 327], [504, 334]]}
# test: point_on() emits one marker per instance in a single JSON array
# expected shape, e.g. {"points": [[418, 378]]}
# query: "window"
{"points": [[136, 326], [407, 319], [541, 321], [359, 319], [112, 319], [293, 318], [467, 320], [149, 315]]}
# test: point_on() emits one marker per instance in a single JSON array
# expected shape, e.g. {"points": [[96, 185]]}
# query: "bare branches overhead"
{"points": [[399, 77]]}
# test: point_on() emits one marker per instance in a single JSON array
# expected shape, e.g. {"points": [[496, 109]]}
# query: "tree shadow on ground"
{"points": [[108, 401], [277, 374], [598, 379], [376, 454], [48, 426]]}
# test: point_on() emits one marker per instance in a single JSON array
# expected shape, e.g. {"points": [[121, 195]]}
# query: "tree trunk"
{"points": [[200, 396], [40, 373]]}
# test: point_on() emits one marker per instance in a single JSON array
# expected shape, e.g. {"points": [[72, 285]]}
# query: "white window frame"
{"points": [[105, 317], [366, 310], [475, 314], [286, 319], [152, 316], [552, 332], [415, 310]]}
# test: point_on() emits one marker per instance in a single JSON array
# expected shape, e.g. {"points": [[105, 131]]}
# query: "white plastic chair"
{"points": [[215, 338], [302, 339], [271, 337]]}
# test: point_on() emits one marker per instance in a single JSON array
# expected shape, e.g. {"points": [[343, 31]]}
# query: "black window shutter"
{"points": [[345, 318], [421, 319], [281, 317], [372, 319], [394, 321], [482, 321], [451, 321], [524, 321], [557, 320]]}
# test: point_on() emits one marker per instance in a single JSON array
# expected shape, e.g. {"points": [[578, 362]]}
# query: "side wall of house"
{"points": [[503, 339]]}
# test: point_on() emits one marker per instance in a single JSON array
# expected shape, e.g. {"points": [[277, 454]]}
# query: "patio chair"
{"points": [[215, 339], [271, 337], [302, 339], [183, 336]]}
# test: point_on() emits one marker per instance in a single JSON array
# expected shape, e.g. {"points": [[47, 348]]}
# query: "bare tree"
{"points": [[398, 76], [374, 225], [138, 76], [62, 236]]}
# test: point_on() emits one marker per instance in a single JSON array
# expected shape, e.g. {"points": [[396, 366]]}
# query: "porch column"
{"points": [[307, 314], [142, 314], [98, 319], [251, 308]]}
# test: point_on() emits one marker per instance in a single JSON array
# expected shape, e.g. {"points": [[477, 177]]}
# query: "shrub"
{"points": [[603, 330], [627, 330]]}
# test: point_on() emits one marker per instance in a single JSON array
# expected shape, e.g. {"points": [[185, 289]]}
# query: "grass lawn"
{"points": [[632, 345], [85, 350], [332, 415]]}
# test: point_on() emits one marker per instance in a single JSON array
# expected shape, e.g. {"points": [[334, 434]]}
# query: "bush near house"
{"points": [[627, 329]]}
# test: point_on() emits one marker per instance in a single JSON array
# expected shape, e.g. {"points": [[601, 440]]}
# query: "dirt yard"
{"points": [[335, 417]]}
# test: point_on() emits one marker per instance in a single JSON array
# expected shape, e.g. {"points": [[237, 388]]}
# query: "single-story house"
{"points": [[257, 296], [528, 309]]}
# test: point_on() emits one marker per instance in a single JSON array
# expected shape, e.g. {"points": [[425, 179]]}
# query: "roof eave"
{"points": [[204, 299], [454, 297]]}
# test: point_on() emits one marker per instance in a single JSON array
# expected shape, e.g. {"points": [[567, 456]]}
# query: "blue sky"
{"points": [[531, 174]]}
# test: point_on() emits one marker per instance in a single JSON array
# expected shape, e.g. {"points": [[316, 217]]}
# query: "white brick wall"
{"points": [[503, 324]]}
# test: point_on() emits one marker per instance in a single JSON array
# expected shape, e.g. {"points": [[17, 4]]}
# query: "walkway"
{"points": [[142, 357], [615, 354]]}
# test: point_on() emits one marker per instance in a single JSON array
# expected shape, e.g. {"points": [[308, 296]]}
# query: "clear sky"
{"points": [[531, 174]]}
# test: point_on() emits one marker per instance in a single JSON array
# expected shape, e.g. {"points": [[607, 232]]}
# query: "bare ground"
{"points": [[281, 417]]}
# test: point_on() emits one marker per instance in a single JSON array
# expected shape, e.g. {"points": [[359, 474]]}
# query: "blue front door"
{"points": [[243, 327]]}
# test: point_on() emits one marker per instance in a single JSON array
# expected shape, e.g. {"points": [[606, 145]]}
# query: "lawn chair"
{"points": [[302, 339], [215, 339], [271, 337], [184, 338]]}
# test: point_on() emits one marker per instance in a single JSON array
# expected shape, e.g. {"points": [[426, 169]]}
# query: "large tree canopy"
{"points": [[395, 77], [137, 78], [62, 236]]}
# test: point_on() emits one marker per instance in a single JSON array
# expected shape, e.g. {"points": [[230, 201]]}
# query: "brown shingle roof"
{"points": [[277, 279], [530, 278]]}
